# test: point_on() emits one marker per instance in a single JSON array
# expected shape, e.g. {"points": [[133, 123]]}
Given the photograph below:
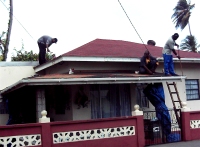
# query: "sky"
{"points": [[77, 22]]}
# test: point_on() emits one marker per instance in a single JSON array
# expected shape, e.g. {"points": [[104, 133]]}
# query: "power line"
{"points": [[132, 24], [18, 21]]}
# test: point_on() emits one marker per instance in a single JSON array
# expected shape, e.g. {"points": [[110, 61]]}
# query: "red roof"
{"points": [[119, 48]]}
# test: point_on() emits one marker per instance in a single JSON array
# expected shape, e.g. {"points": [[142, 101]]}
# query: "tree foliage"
{"points": [[22, 55], [182, 13], [189, 43]]}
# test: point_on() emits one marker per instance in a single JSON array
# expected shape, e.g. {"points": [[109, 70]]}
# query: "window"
{"points": [[109, 100], [192, 89]]}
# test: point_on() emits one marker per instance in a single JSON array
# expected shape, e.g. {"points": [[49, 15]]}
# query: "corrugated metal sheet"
{"points": [[95, 75]]}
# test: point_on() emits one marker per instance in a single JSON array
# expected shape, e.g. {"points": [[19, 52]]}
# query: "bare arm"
{"points": [[47, 48], [47, 45], [173, 50]]}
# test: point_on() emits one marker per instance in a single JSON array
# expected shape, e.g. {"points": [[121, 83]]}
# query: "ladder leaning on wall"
{"points": [[176, 101]]}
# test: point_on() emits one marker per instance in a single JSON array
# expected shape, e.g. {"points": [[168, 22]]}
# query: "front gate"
{"points": [[165, 130]]}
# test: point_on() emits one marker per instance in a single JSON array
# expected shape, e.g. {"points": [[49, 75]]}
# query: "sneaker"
{"points": [[175, 75]]}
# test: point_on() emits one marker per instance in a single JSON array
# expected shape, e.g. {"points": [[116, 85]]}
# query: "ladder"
{"points": [[176, 101]]}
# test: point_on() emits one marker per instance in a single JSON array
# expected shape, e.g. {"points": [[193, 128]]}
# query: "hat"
{"points": [[55, 39]]}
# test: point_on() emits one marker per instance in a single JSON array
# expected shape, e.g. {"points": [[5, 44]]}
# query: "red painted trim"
{"points": [[93, 124], [195, 134], [140, 131], [186, 133], [47, 139]]}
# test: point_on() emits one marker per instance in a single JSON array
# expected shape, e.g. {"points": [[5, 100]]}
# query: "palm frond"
{"points": [[189, 43], [182, 13], [185, 20]]}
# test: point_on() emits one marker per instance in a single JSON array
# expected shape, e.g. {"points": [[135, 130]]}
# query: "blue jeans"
{"points": [[168, 64]]}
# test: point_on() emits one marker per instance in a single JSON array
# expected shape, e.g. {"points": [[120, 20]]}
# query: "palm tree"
{"points": [[182, 13], [189, 43]]}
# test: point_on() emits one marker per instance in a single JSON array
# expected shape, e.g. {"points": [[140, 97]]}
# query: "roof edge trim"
{"points": [[73, 81]]}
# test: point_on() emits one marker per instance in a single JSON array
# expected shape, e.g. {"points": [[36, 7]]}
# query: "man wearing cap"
{"points": [[44, 43], [167, 55]]}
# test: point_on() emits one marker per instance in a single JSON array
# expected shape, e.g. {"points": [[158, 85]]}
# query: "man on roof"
{"points": [[151, 42], [167, 55], [148, 64], [44, 43]]}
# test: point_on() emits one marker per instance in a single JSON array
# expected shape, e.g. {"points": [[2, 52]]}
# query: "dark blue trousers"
{"points": [[168, 64]]}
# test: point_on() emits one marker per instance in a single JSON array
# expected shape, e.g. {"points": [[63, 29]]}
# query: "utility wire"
{"points": [[132, 24], [18, 21]]}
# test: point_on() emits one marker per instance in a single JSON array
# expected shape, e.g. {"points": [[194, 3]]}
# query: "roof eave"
{"points": [[75, 81], [48, 64], [104, 59]]}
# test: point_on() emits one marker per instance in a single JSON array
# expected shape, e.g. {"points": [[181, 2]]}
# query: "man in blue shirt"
{"points": [[44, 43], [148, 64]]}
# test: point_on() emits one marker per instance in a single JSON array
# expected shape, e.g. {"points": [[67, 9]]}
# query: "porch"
{"points": [[108, 94]]}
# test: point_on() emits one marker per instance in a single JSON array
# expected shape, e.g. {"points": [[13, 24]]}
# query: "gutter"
{"points": [[75, 81], [183, 60]]}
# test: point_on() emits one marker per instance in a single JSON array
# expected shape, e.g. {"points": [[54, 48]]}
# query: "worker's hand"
{"points": [[178, 57]]}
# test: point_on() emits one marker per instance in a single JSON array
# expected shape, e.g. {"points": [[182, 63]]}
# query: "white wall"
{"points": [[12, 74], [192, 71], [64, 68], [74, 113], [82, 113], [3, 119]]}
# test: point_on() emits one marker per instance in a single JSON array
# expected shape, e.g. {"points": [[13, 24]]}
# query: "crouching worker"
{"points": [[148, 64]]}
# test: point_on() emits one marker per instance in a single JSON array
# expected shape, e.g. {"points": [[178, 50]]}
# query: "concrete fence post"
{"points": [[46, 135], [185, 122], [44, 118], [140, 126]]}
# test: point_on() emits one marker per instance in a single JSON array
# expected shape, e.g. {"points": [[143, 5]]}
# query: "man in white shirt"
{"points": [[167, 55]]}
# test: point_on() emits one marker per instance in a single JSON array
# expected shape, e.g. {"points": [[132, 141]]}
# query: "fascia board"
{"points": [[113, 80]]}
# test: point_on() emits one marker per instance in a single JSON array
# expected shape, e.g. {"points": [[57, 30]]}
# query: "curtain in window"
{"points": [[110, 101], [192, 89], [124, 96], [95, 102]]}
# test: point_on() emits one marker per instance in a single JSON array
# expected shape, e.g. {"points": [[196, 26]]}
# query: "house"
{"points": [[103, 83]]}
